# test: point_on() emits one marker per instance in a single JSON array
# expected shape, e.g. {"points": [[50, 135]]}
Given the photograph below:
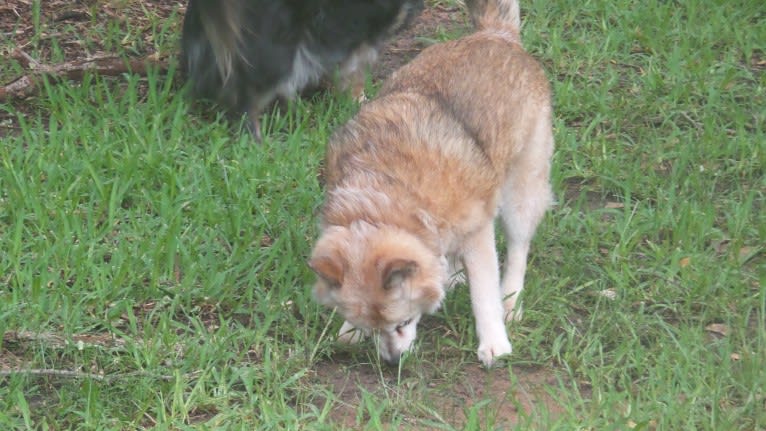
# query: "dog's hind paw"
{"points": [[514, 310], [514, 314], [489, 352]]}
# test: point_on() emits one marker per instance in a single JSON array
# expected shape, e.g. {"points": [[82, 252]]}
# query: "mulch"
{"points": [[64, 40]]}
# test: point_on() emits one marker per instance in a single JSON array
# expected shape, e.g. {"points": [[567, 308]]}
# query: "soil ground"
{"points": [[508, 400]]}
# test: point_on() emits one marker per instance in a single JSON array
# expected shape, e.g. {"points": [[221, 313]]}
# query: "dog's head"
{"points": [[381, 279]]}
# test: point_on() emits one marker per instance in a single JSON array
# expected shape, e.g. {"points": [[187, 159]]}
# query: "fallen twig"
{"points": [[55, 341], [25, 60], [47, 372], [19, 89], [51, 373], [28, 84]]}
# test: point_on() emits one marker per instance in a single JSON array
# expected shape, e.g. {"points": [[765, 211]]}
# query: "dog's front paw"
{"points": [[490, 351], [349, 334]]}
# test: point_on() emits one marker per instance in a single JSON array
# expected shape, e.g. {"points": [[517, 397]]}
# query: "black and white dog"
{"points": [[244, 54]]}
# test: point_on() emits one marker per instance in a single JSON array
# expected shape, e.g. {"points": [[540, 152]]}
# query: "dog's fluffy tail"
{"points": [[495, 14], [221, 22]]}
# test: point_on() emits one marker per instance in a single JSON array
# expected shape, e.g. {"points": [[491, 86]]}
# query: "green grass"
{"points": [[161, 256]]}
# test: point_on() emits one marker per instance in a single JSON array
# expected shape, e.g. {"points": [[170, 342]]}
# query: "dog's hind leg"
{"points": [[254, 125], [258, 102], [526, 196], [480, 260]]}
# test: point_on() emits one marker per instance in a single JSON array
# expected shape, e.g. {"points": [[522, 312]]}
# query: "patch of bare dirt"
{"points": [[67, 27], [405, 46], [437, 398], [74, 30], [65, 37]]}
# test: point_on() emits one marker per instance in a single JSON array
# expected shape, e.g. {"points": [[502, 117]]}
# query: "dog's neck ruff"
{"points": [[348, 205]]}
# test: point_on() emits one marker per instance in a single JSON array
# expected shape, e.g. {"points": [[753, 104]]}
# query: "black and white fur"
{"points": [[244, 54]]}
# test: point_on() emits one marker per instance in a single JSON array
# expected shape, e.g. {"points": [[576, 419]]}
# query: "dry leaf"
{"points": [[684, 262], [721, 246], [614, 205], [718, 328], [746, 253]]}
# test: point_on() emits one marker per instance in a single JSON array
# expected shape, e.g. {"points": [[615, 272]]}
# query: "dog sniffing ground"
{"points": [[152, 263], [349, 378]]}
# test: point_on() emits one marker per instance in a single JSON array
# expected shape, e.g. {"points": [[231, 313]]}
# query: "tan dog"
{"points": [[418, 176]]}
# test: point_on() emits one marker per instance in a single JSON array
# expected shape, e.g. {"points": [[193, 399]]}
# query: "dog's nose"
{"points": [[392, 361]]}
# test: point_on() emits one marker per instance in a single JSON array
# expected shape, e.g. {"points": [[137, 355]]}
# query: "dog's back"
{"points": [[469, 108], [485, 80], [485, 84]]}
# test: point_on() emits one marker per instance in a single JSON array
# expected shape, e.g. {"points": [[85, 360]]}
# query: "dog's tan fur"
{"points": [[418, 176]]}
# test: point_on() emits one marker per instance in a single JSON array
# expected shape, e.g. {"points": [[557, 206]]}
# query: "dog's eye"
{"points": [[400, 326]]}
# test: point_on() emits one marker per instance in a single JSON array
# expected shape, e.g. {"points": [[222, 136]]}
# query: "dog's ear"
{"points": [[397, 271], [329, 269]]}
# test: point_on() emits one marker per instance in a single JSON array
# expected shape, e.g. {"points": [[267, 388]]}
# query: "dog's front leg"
{"points": [[480, 260], [353, 71]]}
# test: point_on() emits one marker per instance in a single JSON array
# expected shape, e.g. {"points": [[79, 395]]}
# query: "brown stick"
{"points": [[46, 372], [55, 341], [28, 84]]}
